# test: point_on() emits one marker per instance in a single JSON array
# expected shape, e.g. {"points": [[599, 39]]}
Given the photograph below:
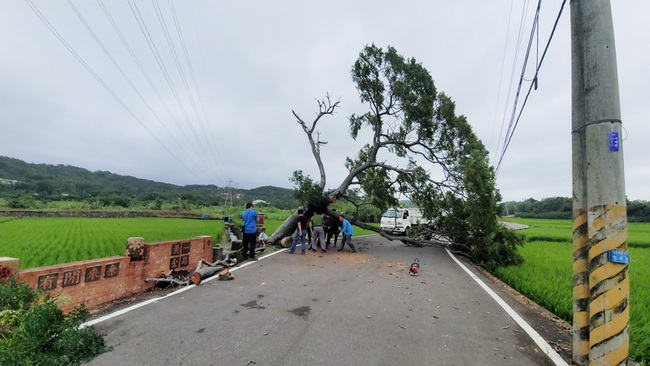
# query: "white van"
{"points": [[398, 220]]}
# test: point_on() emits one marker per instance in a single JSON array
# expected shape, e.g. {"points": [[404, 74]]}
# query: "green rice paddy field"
{"points": [[546, 276], [47, 241]]}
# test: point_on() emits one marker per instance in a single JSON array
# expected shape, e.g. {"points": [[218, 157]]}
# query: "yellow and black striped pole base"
{"points": [[580, 289], [609, 286]]}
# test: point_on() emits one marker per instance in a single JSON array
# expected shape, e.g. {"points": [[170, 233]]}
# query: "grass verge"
{"points": [[546, 276]]}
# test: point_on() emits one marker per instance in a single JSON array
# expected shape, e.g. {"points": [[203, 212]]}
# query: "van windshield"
{"points": [[392, 213]]}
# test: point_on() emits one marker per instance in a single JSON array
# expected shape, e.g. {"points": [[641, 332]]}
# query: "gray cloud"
{"points": [[255, 61]]}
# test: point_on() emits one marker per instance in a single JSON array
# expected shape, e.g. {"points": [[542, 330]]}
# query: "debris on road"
{"points": [[415, 268]]}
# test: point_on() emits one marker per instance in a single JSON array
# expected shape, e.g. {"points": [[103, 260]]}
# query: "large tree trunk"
{"points": [[286, 229]]}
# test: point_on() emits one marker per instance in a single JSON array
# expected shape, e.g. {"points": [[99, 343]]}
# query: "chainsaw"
{"points": [[415, 268]]}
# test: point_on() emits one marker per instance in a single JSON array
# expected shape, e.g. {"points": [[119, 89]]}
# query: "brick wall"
{"points": [[98, 281]]}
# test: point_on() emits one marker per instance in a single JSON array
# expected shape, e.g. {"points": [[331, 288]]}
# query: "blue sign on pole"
{"points": [[616, 256], [613, 141]]}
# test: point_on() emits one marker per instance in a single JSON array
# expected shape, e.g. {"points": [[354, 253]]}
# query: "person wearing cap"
{"points": [[250, 229], [347, 232]]}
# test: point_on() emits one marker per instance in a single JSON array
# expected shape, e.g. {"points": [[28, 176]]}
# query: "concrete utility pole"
{"points": [[600, 271]]}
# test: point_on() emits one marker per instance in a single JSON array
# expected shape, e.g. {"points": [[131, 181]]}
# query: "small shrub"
{"points": [[34, 331]]}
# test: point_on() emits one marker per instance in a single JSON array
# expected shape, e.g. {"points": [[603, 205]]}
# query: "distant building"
{"points": [[257, 202], [8, 181]]}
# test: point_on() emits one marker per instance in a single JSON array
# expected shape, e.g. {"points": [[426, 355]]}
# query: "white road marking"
{"points": [[150, 301], [546, 348]]}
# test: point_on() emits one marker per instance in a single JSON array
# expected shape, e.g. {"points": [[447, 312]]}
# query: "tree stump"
{"points": [[286, 242]]}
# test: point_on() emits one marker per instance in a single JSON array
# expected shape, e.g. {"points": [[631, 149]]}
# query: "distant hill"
{"points": [[64, 182]]}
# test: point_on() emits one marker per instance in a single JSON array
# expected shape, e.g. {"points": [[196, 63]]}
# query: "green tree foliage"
{"points": [[562, 208], [638, 211], [547, 208], [438, 162], [34, 331], [306, 190]]}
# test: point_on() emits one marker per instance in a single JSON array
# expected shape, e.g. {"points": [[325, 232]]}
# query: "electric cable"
{"points": [[205, 126], [548, 43], [520, 33], [521, 77], [128, 80], [503, 64], [163, 26], [61, 39], [201, 124], [142, 69], [152, 46]]}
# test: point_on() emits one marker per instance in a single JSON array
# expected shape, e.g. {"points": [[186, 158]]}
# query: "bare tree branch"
{"points": [[325, 107]]}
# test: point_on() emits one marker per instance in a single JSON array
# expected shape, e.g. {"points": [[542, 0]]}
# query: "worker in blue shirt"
{"points": [[250, 229], [346, 232]]}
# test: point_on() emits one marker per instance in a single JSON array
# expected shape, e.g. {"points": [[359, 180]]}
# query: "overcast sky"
{"points": [[226, 115]]}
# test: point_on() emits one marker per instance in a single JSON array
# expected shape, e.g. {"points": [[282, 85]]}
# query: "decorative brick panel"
{"points": [[98, 281]]}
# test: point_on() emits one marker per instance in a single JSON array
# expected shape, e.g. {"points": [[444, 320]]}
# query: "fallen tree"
{"points": [[419, 149]]}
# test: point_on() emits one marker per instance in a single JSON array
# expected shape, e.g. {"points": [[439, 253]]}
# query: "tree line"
{"points": [[27, 186], [562, 208]]}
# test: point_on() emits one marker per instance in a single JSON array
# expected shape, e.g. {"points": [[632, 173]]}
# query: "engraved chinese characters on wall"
{"points": [[48, 281], [93, 274], [112, 270], [176, 249], [177, 260], [185, 260], [174, 262], [71, 278]]}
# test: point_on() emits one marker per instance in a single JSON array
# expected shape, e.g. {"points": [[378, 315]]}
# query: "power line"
{"points": [[170, 43], [163, 24], [152, 46], [533, 30], [128, 47], [509, 138], [503, 63], [128, 80], [53, 30], [520, 33], [205, 124]]}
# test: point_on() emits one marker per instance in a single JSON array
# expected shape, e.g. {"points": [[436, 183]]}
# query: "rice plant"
{"points": [[546, 275]]}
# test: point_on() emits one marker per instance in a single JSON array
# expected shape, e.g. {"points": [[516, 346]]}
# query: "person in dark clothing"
{"points": [[301, 233], [332, 225], [250, 229]]}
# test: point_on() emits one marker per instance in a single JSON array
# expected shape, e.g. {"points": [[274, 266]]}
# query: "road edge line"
{"points": [[150, 301], [543, 345]]}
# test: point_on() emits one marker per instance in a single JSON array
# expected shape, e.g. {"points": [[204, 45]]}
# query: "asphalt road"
{"points": [[329, 309]]}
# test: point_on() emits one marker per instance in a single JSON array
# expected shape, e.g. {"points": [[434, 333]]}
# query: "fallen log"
{"points": [[170, 279], [206, 269]]}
